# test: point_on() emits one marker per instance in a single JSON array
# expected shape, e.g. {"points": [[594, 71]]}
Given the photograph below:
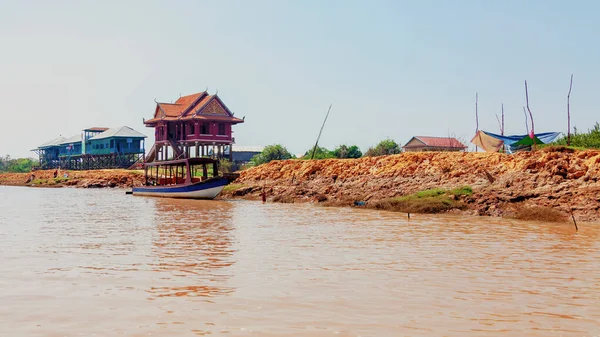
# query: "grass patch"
{"points": [[431, 201], [539, 213], [232, 187], [464, 190], [39, 181], [559, 148]]}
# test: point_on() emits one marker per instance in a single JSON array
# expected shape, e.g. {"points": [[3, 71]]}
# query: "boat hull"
{"points": [[202, 190]]}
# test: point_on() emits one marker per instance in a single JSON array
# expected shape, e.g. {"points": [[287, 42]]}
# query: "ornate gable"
{"points": [[214, 107], [158, 112]]}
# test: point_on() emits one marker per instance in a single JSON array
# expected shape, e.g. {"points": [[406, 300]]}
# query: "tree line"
{"points": [[280, 152], [8, 164]]}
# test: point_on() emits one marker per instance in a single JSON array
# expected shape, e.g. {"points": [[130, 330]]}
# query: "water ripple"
{"points": [[99, 262]]}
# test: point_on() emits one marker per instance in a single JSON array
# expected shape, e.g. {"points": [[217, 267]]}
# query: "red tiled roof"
{"points": [[186, 106], [96, 129], [186, 101], [217, 118], [448, 142], [199, 104], [198, 117], [171, 110]]}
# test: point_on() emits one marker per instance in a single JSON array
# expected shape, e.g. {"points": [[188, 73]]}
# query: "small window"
{"points": [[205, 130], [221, 129], [192, 129], [112, 143]]}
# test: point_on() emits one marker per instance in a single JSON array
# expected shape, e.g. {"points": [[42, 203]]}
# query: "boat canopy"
{"points": [[190, 161]]}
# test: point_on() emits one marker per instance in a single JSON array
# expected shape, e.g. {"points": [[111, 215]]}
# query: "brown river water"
{"points": [[76, 262]]}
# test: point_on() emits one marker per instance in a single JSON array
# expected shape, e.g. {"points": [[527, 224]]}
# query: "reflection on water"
{"points": [[193, 241], [99, 262]]}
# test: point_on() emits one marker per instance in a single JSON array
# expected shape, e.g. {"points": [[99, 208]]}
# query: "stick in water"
{"points": [[573, 217]]}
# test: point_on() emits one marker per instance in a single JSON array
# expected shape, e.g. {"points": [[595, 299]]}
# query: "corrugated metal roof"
{"points": [[53, 142], [245, 148], [123, 131], [73, 139]]}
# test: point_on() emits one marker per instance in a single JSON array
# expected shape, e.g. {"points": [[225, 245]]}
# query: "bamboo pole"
{"points": [[529, 110], [501, 124], [569, 116], [476, 117], [322, 126], [502, 129], [526, 119]]}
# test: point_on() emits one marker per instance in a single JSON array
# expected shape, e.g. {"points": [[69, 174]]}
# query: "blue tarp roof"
{"points": [[545, 137]]}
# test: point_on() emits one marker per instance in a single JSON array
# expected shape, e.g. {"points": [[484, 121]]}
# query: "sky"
{"points": [[391, 69]]}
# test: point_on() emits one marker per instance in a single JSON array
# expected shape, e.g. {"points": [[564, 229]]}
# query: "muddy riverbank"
{"points": [[82, 179], [502, 185]]}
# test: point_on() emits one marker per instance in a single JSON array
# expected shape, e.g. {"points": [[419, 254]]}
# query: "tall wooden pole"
{"points": [[476, 117], [530, 115], [322, 126], [569, 112], [501, 124], [526, 119], [502, 129]]}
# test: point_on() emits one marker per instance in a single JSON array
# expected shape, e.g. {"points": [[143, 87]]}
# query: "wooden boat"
{"points": [[180, 179]]}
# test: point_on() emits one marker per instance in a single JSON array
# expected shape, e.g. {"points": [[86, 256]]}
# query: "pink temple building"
{"points": [[197, 125]]}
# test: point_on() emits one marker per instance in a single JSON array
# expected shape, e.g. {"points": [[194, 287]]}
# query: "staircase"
{"points": [[152, 154], [179, 154]]}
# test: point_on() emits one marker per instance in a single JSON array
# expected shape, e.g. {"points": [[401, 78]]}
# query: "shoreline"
{"points": [[553, 184], [111, 178]]}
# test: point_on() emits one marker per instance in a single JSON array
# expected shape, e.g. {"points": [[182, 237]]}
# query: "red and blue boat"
{"points": [[183, 178]]}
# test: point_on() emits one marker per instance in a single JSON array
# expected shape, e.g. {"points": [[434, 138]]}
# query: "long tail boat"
{"points": [[183, 178]]}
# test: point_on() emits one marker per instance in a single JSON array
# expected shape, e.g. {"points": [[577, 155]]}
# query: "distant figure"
{"points": [[65, 175], [55, 173], [31, 178], [264, 196]]}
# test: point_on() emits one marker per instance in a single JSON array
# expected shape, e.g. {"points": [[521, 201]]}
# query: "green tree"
{"points": [[385, 147], [16, 165], [320, 153], [271, 152], [343, 151]]}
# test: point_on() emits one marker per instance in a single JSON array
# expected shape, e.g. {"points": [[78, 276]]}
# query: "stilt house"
{"points": [[196, 125]]}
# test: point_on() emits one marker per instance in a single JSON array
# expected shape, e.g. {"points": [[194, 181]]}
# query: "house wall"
{"points": [[115, 145], [192, 131], [71, 149], [50, 153], [418, 146], [432, 148]]}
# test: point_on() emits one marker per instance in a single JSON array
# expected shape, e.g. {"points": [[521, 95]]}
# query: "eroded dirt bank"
{"points": [[84, 179], [501, 183]]}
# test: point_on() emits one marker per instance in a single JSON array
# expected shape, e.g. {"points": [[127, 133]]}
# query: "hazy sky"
{"points": [[391, 68]]}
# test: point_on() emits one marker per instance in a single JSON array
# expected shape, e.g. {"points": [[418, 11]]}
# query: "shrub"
{"points": [[320, 153], [271, 152], [344, 151], [586, 140], [385, 147]]}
